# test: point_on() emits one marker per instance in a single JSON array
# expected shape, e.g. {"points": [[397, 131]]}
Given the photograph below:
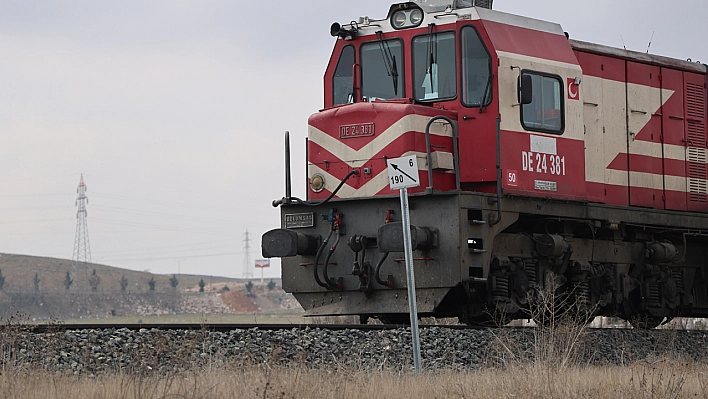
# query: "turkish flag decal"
{"points": [[573, 90]]}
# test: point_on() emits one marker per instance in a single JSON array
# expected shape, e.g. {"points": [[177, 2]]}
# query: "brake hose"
{"points": [[378, 270], [317, 258], [326, 200], [326, 264]]}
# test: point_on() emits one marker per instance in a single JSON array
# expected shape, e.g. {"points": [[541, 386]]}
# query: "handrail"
{"points": [[429, 189], [498, 219], [288, 184]]}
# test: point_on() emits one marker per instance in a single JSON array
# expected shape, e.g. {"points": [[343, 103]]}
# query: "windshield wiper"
{"points": [[431, 55], [389, 61], [487, 89]]}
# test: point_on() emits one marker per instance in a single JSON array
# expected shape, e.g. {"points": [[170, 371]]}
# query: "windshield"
{"points": [[434, 67], [382, 70]]}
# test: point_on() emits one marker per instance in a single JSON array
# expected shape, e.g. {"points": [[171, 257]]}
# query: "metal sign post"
{"points": [[403, 173]]}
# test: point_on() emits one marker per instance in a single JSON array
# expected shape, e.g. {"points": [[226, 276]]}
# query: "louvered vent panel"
{"points": [[695, 101], [697, 174], [696, 134], [698, 190]]}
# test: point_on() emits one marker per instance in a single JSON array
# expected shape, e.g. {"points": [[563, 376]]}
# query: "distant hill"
{"points": [[51, 299], [19, 272]]}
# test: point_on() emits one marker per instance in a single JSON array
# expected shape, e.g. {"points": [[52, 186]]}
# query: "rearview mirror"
{"points": [[525, 90]]}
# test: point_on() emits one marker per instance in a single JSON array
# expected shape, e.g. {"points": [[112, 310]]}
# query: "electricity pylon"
{"points": [[247, 266], [82, 249]]}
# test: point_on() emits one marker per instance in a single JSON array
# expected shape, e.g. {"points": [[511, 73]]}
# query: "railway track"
{"points": [[222, 327], [94, 349], [226, 327]]}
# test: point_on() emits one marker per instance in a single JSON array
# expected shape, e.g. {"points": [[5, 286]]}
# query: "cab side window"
{"points": [[342, 82], [476, 70], [545, 112]]}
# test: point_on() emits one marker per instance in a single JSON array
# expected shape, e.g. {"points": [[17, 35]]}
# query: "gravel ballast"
{"points": [[92, 352]]}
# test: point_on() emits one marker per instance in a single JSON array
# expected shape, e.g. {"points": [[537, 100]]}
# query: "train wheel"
{"points": [[403, 319]]}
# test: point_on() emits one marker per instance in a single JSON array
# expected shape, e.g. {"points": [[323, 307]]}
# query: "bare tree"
{"points": [[94, 281], [68, 281]]}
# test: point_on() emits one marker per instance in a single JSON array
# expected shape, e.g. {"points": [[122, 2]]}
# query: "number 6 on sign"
{"points": [[403, 172]]}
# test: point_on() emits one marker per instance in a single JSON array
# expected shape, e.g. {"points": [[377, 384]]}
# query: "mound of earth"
{"points": [[238, 302]]}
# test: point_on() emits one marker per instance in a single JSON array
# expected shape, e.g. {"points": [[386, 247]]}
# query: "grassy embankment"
{"points": [[549, 367]]}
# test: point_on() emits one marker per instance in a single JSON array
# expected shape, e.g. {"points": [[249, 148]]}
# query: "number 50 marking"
{"points": [[511, 178]]}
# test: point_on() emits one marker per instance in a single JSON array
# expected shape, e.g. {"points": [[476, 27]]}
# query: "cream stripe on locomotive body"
{"points": [[372, 187], [357, 158], [600, 191]]}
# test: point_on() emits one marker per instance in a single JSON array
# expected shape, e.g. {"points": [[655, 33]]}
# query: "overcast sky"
{"points": [[174, 111]]}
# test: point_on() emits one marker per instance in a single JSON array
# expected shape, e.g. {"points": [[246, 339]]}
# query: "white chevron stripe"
{"points": [[673, 183], [357, 158], [370, 188], [676, 152]]}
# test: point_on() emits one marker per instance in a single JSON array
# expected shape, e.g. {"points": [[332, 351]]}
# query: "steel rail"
{"points": [[226, 327], [219, 327]]}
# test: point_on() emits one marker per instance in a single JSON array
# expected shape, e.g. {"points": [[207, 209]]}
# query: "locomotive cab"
{"points": [[466, 63]]}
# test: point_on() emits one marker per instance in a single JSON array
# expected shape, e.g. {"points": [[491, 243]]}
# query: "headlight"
{"points": [[407, 18], [399, 19], [317, 183], [416, 17]]}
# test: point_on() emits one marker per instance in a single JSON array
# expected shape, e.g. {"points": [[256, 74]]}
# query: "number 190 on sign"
{"points": [[397, 179]]}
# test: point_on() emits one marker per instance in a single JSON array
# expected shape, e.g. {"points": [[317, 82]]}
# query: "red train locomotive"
{"points": [[545, 162]]}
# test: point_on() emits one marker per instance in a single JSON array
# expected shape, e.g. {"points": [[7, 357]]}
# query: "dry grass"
{"points": [[547, 366], [662, 379]]}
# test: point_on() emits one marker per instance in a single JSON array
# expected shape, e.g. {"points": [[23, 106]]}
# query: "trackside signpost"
{"points": [[403, 173]]}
